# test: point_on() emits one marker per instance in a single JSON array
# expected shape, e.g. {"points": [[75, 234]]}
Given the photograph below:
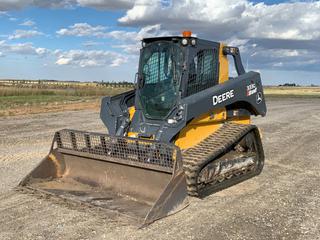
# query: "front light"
{"points": [[193, 42], [172, 121], [184, 41]]}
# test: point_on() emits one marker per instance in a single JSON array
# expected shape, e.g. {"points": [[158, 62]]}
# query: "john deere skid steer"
{"points": [[184, 130]]}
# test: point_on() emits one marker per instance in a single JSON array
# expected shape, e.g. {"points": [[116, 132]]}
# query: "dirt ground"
{"points": [[282, 203]]}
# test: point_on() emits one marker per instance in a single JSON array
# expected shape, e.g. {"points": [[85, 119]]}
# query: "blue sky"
{"points": [[94, 40]]}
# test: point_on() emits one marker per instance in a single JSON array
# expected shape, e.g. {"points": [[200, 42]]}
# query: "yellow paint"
{"points": [[147, 138], [241, 120], [223, 66], [135, 141], [192, 135], [200, 128], [136, 135], [132, 134], [131, 110]]}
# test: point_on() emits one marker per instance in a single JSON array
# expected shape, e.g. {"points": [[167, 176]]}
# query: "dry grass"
{"points": [[74, 91], [17, 100], [292, 92]]}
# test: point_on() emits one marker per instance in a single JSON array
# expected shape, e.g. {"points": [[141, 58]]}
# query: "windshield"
{"points": [[160, 71]]}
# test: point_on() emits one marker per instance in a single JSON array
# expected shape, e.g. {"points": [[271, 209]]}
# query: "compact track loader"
{"points": [[184, 130]]}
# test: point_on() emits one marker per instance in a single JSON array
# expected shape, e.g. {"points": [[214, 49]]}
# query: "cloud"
{"points": [[82, 58], [19, 4], [28, 23], [42, 51], [77, 58], [8, 16], [6, 5], [284, 35], [13, 4], [54, 3], [266, 34], [22, 49], [87, 30], [282, 59], [24, 34], [127, 41], [130, 42], [145, 32], [271, 43], [91, 44], [107, 4], [82, 29], [3, 13], [230, 18]]}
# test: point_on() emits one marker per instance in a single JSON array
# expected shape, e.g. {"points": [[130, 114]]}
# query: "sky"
{"points": [[99, 40]]}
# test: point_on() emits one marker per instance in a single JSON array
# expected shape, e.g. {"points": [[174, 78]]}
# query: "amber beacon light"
{"points": [[186, 33]]}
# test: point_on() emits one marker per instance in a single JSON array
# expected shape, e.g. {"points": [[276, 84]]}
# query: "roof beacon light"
{"points": [[186, 34]]}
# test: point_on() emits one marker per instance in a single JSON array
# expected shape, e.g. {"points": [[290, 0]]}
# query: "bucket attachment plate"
{"points": [[140, 178]]}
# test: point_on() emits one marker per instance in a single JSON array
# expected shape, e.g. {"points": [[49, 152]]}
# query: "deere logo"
{"points": [[223, 97]]}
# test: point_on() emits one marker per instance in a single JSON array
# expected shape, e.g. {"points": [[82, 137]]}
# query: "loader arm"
{"points": [[229, 94], [114, 112]]}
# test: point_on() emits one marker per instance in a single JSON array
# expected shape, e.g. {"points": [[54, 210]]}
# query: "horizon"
{"points": [[285, 84], [95, 40]]}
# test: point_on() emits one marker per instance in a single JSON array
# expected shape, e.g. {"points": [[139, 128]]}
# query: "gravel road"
{"points": [[282, 203]]}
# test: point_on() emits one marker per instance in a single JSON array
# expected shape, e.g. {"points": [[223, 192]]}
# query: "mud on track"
{"points": [[282, 203]]}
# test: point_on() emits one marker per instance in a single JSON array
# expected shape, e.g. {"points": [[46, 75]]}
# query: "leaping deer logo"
{"points": [[259, 97]]}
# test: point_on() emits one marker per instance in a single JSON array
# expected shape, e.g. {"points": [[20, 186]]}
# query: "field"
{"points": [[311, 92], [23, 97], [281, 203]]}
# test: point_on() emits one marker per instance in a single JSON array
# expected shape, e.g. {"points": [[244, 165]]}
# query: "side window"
{"points": [[202, 71]]}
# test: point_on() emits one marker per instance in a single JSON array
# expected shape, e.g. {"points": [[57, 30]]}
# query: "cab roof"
{"points": [[167, 38], [174, 39]]}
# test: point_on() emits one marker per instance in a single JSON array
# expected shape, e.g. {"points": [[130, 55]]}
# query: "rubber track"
{"points": [[212, 147]]}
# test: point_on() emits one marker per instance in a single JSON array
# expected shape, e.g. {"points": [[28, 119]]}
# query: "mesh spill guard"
{"points": [[145, 152]]}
